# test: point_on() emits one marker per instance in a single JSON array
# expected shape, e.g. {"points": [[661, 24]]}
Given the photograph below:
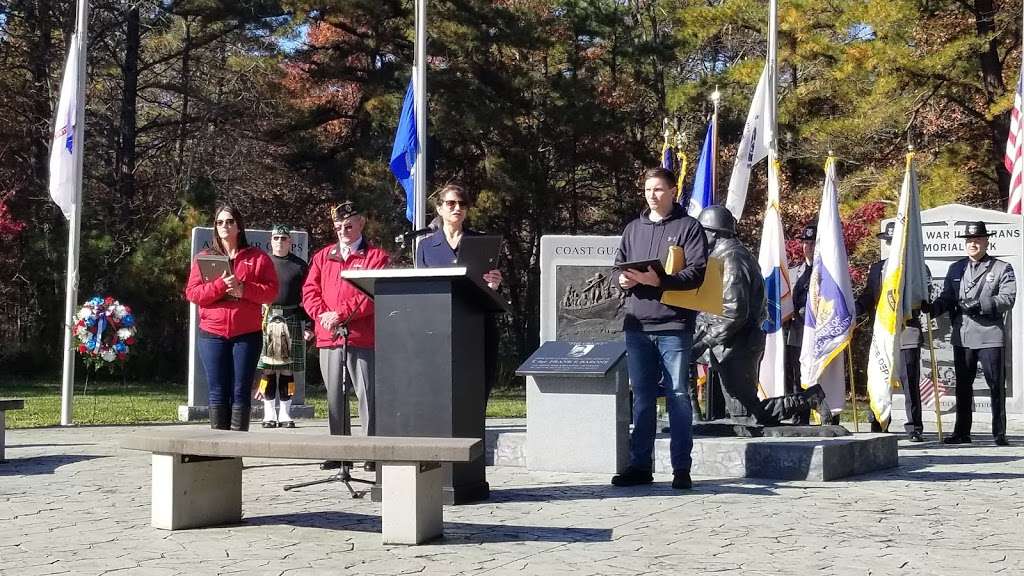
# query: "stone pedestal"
{"points": [[786, 458], [190, 492], [411, 503], [578, 424]]}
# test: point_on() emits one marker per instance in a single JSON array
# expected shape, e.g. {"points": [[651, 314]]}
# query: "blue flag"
{"points": [[703, 194], [405, 150]]}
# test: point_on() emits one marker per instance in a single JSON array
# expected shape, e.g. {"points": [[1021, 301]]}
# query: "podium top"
{"points": [[366, 280]]}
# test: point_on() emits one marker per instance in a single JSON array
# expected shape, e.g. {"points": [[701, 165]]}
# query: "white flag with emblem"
{"points": [[64, 147]]}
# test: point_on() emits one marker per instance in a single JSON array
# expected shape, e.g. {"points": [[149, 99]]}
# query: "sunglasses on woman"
{"points": [[451, 204]]}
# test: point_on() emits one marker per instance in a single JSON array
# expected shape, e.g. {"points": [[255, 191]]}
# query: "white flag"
{"points": [[753, 146], [904, 286], [829, 314], [778, 291], [64, 147]]}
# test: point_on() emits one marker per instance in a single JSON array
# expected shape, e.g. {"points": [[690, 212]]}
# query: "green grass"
{"points": [[100, 403], [108, 402]]}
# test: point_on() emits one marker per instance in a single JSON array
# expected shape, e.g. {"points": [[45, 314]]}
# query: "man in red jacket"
{"points": [[338, 308]]}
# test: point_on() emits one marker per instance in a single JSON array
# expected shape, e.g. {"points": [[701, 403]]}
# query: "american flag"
{"points": [[927, 392], [1014, 159]]}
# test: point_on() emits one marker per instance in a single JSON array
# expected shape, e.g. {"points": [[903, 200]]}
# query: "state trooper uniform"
{"points": [[800, 277], [978, 292], [910, 345]]}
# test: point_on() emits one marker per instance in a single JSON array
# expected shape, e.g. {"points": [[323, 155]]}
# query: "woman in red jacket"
{"points": [[230, 319]]}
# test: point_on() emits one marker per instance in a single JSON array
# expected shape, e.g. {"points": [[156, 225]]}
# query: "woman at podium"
{"points": [[441, 250]]}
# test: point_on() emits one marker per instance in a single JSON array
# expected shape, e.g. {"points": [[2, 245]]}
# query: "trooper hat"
{"points": [[886, 234], [343, 210], [975, 230], [809, 233], [280, 230]]}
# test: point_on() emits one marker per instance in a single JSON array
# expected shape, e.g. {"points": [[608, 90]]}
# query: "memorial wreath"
{"points": [[104, 329]]}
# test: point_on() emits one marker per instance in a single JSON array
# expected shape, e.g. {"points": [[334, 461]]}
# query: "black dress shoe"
{"points": [[957, 439], [681, 481], [330, 465], [269, 424], [632, 477], [287, 424], [1002, 441], [916, 437]]}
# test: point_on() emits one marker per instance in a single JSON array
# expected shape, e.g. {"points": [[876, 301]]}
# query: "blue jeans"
{"points": [[653, 358], [230, 365]]}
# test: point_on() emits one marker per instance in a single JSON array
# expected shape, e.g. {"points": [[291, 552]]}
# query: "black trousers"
{"points": [[965, 365], [912, 390], [791, 369]]}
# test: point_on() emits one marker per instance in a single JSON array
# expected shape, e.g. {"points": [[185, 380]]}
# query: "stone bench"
{"points": [[5, 405], [197, 474]]}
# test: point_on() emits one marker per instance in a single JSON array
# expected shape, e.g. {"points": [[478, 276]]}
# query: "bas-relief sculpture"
{"points": [[589, 305]]}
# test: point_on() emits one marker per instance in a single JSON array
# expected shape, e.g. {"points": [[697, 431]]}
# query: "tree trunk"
{"points": [[39, 18], [185, 79], [126, 155], [995, 88]]}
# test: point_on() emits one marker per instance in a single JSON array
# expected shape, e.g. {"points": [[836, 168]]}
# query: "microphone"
{"points": [[406, 236]]}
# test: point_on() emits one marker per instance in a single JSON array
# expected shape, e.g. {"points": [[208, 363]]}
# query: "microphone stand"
{"points": [[344, 474]]}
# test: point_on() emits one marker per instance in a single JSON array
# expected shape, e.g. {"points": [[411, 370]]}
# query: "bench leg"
{"points": [[189, 491], [411, 502]]}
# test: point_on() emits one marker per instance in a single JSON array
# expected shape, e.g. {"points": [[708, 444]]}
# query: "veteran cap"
{"points": [[343, 210]]}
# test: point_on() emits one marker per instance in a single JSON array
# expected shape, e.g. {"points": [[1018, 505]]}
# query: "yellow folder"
{"points": [[707, 298]]}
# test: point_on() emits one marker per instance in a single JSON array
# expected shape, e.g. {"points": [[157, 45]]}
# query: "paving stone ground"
{"points": [[73, 502]]}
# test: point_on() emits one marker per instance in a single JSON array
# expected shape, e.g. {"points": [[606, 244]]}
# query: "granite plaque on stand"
{"points": [[577, 407]]}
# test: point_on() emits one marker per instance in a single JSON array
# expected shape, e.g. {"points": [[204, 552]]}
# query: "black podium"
{"points": [[429, 361]]}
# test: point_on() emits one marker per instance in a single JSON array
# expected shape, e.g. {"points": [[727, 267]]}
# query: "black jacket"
{"points": [[643, 240]]}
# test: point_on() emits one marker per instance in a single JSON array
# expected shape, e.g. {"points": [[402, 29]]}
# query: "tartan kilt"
{"points": [[293, 318]]}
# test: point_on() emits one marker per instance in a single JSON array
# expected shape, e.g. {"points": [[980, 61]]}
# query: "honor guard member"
{"points": [[800, 276], [284, 333], [978, 292], [910, 345]]}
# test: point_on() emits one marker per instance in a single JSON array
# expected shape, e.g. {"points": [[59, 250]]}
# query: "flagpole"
{"points": [[935, 377], [773, 72], [853, 386], [75, 222], [716, 96], [420, 99]]}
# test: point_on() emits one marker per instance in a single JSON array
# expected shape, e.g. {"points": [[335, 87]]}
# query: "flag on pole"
{"points": [[63, 188], [668, 156], [703, 194], [829, 314], [904, 287], [778, 290], [1014, 159], [405, 151], [928, 391], [753, 146]]}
